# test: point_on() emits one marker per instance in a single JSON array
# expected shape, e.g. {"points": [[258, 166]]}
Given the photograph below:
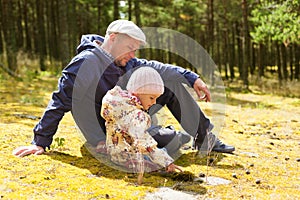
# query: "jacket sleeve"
{"points": [[60, 103], [167, 71]]}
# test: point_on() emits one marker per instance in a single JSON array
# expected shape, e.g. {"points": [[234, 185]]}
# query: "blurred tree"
{"points": [[52, 29], [246, 44], [8, 21], [116, 10], [41, 33], [278, 22]]}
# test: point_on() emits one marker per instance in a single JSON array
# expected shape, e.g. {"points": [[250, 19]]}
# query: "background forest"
{"points": [[244, 37]]}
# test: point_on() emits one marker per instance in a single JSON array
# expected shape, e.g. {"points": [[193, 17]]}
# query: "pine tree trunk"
{"points": [[260, 61], [284, 61], [8, 27], [63, 33], [297, 61], [278, 62], [246, 44], [99, 14], [19, 26], [129, 10], [1, 31], [239, 49], [253, 60], [137, 14], [291, 59], [28, 46], [116, 10], [232, 54], [41, 45]]}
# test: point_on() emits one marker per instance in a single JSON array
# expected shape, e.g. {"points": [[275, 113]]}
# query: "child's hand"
{"points": [[115, 140], [172, 168]]}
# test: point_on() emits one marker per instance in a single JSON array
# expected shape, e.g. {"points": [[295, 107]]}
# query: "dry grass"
{"points": [[264, 128]]}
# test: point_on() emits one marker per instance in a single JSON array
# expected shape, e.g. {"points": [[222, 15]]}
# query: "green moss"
{"points": [[265, 133]]}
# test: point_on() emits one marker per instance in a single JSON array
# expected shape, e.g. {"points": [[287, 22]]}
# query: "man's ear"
{"points": [[112, 36]]}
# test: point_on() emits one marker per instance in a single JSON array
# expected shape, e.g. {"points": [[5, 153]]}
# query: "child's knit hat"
{"points": [[145, 80]]}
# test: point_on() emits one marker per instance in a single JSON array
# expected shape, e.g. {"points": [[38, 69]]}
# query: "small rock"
{"points": [[247, 171], [298, 160], [234, 175], [251, 165], [107, 196], [250, 154], [287, 158], [199, 180], [186, 147], [276, 157], [258, 181], [202, 175], [210, 180], [272, 143], [22, 177]]}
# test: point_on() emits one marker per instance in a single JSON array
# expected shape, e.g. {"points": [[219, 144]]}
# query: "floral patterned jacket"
{"points": [[126, 125]]}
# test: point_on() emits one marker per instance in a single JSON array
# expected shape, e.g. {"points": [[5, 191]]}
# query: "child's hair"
{"points": [[145, 80]]}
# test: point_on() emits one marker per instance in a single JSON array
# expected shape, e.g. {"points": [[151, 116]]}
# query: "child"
{"points": [[127, 120]]}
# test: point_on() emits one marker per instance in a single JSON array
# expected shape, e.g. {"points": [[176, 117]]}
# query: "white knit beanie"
{"points": [[145, 80]]}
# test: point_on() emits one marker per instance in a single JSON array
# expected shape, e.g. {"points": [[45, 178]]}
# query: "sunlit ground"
{"points": [[262, 125]]}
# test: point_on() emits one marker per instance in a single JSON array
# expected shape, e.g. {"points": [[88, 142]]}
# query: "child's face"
{"points": [[147, 100]]}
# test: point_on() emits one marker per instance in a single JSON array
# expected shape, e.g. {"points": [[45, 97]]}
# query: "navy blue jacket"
{"points": [[84, 82]]}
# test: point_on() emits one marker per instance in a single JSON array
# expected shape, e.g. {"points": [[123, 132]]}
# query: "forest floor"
{"points": [[263, 126]]}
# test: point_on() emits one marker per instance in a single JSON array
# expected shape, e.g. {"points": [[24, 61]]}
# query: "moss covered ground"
{"points": [[264, 128]]}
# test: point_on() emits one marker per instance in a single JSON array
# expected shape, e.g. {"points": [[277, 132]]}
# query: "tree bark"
{"points": [[246, 44], [239, 49], [28, 45], [129, 10], [116, 10], [253, 59], [41, 34], [284, 61], [99, 14], [260, 61], [291, 61], [210, 27], [19, 26], [297, 61], [1, 31], [278, 62], [9, 30], [63, 33], [232, 54]]}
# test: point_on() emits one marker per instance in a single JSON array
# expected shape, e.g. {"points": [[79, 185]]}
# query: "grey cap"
{"points": [[127, 27]]}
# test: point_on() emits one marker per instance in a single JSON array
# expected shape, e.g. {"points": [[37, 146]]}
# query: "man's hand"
{"points": [[172, 168], [202, 90], [27, 150]]}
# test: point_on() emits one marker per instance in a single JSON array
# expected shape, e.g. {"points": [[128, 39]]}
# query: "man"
{"points": [[96, 69]]}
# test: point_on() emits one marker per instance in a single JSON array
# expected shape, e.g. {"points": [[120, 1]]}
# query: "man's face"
{"points": [[147, 100], [123, 48]]}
